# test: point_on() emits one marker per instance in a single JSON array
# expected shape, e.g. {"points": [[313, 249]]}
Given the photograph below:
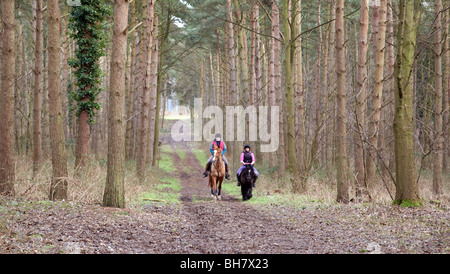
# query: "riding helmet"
{"points": [[247, 146]]}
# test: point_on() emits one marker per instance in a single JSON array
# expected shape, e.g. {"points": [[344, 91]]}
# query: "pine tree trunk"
{"points": [[331, 96], [276, 92], [299, 94], [289, 35], [164, 37], [341, 147], [244, 94], [446, 164], [153, 89], [114, 195], [377, 94], [258, 75], [38, 82], [233, 75], [318, 90], [7, 172], [130, 93], [391, 58], [58, 189], [438, 142], [324, 75], [406, 185], [361, 87], [145, 103]]}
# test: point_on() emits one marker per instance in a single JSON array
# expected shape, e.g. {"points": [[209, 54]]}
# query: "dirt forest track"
{"points": [[229, 225], [202, 226]]}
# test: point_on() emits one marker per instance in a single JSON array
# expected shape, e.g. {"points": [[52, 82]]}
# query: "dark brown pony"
{"points": [[217, 173]]}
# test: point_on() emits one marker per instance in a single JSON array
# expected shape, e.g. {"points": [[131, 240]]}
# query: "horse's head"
{"points": [[249, 173], [217, 153]]}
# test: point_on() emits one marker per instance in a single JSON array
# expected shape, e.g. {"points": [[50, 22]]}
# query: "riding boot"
{"points": [[227, 176], [239, 182], [255, 182], [205, 174]]}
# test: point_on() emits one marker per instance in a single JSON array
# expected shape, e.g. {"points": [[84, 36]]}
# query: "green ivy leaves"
{"points": [[87, 29]]}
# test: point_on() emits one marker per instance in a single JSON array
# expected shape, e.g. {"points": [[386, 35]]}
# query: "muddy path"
{"points": [[226, 226]]}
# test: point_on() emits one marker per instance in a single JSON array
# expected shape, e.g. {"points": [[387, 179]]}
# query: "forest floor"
{"points": [[194, 223]]}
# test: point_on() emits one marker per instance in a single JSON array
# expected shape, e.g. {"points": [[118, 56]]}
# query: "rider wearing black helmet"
{"points": [[247, 158]]}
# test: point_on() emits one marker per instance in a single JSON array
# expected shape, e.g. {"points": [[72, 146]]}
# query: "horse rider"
{"points": [[223, 147], [247, 158]]}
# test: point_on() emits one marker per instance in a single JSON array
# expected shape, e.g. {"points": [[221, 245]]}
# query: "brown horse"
{"points": [[217, 173]]}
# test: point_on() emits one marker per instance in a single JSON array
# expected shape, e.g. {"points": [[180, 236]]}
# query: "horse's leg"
{"points": [[243, 189], [214, 188], [249, 193], [220, 188]]}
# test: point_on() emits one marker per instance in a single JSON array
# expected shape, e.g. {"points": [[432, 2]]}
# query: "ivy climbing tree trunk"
{"points": [[58, 188], [86, 25], [7, 171], [114, 195]]}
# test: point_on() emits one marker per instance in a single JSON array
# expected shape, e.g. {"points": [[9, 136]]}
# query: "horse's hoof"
{"points": [[219, 197], [215, 198]]}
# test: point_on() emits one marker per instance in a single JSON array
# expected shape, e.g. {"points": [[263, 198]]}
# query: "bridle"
{"points": [[214, 158]]}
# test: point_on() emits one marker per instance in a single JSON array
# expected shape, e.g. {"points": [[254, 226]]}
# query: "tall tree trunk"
{"points": [[324, 75], [276, 92], [289, 55], [129, 134], [406, 185], [331, 97], [446, 165], [38, 82], [114, 195], [258, 75], [341, 147], [244, 94], [438, 137], [164, 38], [153, 88], [233, 74], [318, 91], [299, 93], [58, 189], [391, 58], [361, 87], [7, 172], [145, 104], [253, 54], [377, 94]]}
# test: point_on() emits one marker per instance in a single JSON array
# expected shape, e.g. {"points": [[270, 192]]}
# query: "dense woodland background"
{"points": [[364, 89]]}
